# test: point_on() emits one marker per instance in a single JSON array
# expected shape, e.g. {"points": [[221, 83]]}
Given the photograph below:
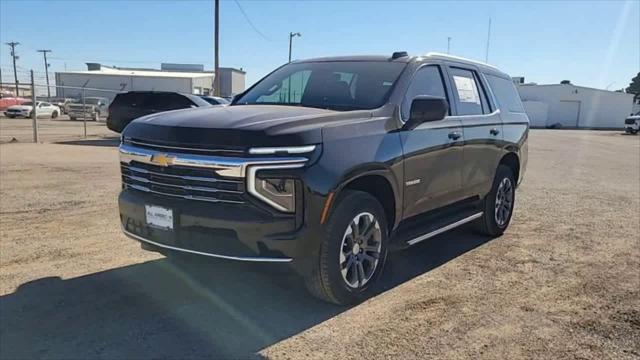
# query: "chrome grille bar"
{"points": [[188, 197]]}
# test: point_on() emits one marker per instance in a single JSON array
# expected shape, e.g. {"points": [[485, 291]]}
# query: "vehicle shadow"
{"points": [[203, 309], [107, 141]]}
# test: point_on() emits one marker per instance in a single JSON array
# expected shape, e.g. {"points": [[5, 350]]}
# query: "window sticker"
{"points": [[467, 91]]}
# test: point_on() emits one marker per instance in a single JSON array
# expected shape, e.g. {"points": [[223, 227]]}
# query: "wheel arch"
{"points": [[380, 185], [512, 160]]}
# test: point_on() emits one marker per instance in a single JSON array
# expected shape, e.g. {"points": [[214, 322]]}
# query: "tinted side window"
{"points": [[505, 93], [427, 81], [467, 93]]}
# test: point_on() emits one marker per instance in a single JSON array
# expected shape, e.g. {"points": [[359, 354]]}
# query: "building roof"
{"points": [[105, 70], [573, 85]]}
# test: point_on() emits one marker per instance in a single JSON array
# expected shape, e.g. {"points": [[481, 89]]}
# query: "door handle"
{"points": [[494, 131], [455, 135]]}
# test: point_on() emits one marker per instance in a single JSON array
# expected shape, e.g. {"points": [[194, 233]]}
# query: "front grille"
{"points": [[630, 121], [182, 182]]}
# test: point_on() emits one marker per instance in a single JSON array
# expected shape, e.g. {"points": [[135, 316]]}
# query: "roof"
{"points": [[406, 59], [355, 58], [575, 86], [104, 70]]}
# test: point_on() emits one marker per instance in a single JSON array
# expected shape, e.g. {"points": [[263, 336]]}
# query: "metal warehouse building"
{"points": [[183, 78], [571, 106]]}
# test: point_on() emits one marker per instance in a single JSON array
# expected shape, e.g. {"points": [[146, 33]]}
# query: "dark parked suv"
{"points": [[328, 164], [133, 104]]}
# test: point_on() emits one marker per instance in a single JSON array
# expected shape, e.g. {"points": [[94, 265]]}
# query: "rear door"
{"points": [[433, 150], [482, 128]]}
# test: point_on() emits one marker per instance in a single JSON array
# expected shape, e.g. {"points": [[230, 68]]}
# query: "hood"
{"points": [[20, 107], [238, 126], [633, 117]]}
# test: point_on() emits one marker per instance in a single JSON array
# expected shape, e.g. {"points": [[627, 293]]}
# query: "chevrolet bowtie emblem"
{"points": [[162, 159]]}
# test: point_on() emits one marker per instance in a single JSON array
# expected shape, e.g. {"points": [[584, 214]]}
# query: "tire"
{"points": [[329, 281], [503, 195], [31, 114], [72, 118], [633, 132], [54, 114]]}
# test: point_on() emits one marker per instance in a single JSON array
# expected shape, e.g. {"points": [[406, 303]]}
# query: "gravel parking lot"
{"points": [[563, 282], [60, 129]]}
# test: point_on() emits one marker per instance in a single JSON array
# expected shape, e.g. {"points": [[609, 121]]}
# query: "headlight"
{"points": [[280, 193]]}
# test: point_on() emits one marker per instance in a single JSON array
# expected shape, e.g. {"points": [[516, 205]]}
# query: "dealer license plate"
{"points": [[159, 217]]}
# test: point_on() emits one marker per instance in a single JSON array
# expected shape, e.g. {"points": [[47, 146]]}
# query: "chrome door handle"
{"points": [[455, 135], [494, 131]]}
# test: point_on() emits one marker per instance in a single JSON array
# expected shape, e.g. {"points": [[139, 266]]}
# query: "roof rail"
{"points": [[452, 57]]}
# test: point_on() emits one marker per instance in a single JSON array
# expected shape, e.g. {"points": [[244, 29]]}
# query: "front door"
{"points": [[432, 151]]}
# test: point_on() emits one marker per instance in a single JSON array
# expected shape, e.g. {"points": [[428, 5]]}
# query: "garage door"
{"points": [[567, 113]]}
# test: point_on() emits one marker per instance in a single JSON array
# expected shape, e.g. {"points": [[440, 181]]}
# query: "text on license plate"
{"points": [[159, 217]]}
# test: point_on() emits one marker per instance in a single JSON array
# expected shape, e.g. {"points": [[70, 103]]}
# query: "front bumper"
{"points": [[16, 113], [235, 232]]}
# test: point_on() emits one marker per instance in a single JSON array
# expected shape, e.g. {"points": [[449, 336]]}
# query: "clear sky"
{"points": [[591, 43]]}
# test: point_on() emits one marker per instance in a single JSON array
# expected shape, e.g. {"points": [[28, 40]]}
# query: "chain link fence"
{"points": [[62, 113]]}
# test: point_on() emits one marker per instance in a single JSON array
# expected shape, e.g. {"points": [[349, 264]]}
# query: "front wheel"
{"points": [[353, 252], [54, 114], [498, 204]]}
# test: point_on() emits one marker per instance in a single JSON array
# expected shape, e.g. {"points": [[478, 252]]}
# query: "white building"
{"points": [[98, 76], [570, 106]]}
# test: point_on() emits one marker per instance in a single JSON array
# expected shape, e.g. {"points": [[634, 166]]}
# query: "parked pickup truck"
{"points": [[328, 165], [632, 123], [93, 108]]}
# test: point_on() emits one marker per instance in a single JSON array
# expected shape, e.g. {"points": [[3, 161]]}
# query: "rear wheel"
{"points": [[54, 114], [353, 251], [498, 204]]}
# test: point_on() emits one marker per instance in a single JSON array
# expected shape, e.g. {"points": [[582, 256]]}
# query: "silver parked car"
{"points": [[94, 108]]}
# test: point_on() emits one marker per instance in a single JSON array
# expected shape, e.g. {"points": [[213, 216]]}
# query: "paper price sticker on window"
{"points": [[467, 90]]}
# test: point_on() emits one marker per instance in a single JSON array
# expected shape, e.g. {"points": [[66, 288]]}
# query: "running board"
{"points": [[443, 229]]}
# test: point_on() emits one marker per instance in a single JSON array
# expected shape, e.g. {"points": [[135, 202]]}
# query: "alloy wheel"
{"points": [[360, 250], [504, 202]]}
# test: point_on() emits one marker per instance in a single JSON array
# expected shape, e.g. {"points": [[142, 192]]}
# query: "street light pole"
{"points": [[46, 71], [448, 44], [291, 36], [216, 58]]}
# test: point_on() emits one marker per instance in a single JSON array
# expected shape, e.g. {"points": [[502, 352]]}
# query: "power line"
{"points": [[250, 22]]}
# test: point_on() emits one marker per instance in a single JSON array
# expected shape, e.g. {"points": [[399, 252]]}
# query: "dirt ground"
{"points": [[563, 282], [60, 129]]}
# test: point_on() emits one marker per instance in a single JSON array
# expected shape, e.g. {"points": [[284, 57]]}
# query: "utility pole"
{"points": [[13, 45], [216, 56], [291, 36], [46, 71], [486, 56], [448, 44]]}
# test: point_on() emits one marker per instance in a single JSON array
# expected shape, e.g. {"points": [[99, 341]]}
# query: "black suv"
{"points": [[328, 164], [128, 106]]}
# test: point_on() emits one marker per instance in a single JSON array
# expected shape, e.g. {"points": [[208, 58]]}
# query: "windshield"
{"points": [[28, 103], [336, 85]]}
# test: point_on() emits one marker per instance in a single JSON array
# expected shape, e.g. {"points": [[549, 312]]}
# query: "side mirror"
{"points": [[426, 108]]}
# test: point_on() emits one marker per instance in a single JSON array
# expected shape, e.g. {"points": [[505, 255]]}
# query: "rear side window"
{"points": [[470, 99], [427, 81], [505, 93], [129, 99]]}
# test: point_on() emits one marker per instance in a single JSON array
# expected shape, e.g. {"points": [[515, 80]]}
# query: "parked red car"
{"points": [[6, 101]]}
